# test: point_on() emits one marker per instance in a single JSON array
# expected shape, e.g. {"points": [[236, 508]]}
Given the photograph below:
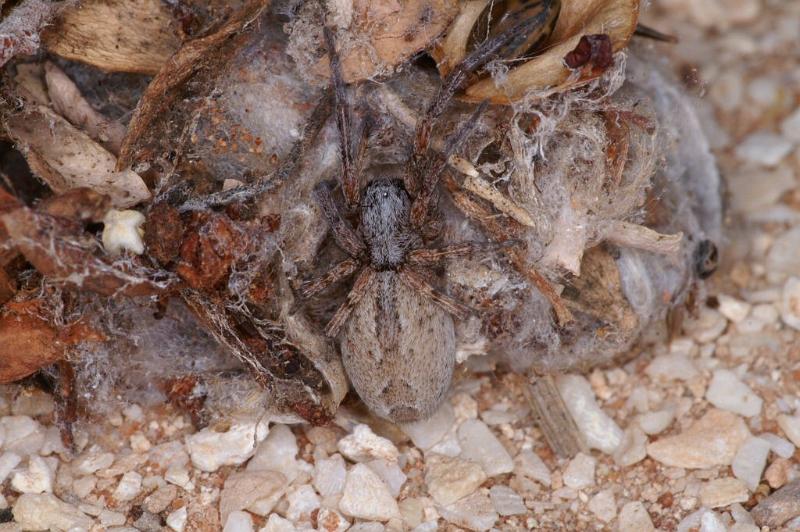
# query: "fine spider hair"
{"points": [[396, 329]]}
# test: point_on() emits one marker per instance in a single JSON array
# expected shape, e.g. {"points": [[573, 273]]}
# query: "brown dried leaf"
{"points": [[208, 250], [67, 158], [68, 101], [163, 233], [59, 251], [81, 204], [114, 35], [179, 68], [546, 71], [27, 342], [383, 35]]}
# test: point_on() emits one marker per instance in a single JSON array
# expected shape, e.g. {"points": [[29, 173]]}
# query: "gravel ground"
{"points": [[700, 434]]}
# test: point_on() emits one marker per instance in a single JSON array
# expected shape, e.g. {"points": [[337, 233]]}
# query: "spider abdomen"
{"points": [[399, 350]]}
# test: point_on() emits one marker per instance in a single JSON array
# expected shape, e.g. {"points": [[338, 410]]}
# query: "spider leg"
{"points": [[344, 234], [288, 167], [433, 256], [354, 297], [414, 280], [351, 167], [452, 83], [433, 171], [344, 269]]}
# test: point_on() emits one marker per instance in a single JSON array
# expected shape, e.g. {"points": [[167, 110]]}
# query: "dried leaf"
{"points": [[61, 252], [383, 35], [68, 101], [66, 158], [114, 35], [208, 250], [27, 342], [81, 204], [546, 71], [179, 68]]}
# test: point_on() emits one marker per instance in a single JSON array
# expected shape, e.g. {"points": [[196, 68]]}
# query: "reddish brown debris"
{"points": [[593, 55], [209, 250], [163, 233], [28, 342]]}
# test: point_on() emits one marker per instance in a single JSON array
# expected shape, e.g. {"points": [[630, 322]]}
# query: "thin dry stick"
{"points": [[553, 418]]}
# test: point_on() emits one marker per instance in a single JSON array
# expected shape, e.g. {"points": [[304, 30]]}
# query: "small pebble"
{"points": [[598, 429], [734, 309], [634, 518], [276, 523], [528, 464], [790, 303], [238, 522], [158, 501], [790, 126], [8, 461], [210, 450], [256, 491], [656, 422], [711, 441], [366, 496], [790, 425], [604, 505], [727, 392], [450, 479], [130, 485], [330, 475], [390, 473], [428, 432], [673, 366], [23, 435], [302, 501], [706, 327], [109, 518], [47, 512], [722, 492], [177, 520], [633, 448], [766, 149], [481, 446], [506, 501], [750, 460], [783, 258], [37, 478], [331, 521], [777, 474], [474, 512], [363, 445], [780, 446], [579, 473]]}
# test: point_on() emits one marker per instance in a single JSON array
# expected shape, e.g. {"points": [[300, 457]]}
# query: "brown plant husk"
{"points": [[545, 72], [114, 35]]}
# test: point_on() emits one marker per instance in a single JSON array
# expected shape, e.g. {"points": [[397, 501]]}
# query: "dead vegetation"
{"points": [[210, 155]]}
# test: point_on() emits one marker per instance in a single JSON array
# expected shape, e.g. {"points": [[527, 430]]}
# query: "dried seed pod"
{"points": [[499, 16], [545, 73], [116, 35]]}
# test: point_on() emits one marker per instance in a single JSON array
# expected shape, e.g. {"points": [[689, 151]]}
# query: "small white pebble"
{"points": [[8, 461], [750, 460], [38, 478], [123, 231], [673, 366], [480, 445], [579, 473], [734, 309], [604, 505], [598, 429], [506, 501], [790, 303], [109, 518], [366, 496], [780, 446], [528, 464], [177, 520], [764, 148], [238, 521], [140, 443], [790, 425], [302, 501], [656, 422], [727, 392], [129, 486], [634, 518], [363, 445]]}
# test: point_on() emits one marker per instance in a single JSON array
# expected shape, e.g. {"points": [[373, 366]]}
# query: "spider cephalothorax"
{"points": [[396, 330]]}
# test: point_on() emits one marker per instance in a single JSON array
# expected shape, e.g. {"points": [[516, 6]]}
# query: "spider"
{"points": [[396, 330]]}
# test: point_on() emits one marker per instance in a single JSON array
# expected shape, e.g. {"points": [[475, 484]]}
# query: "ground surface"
{"points": [[691, 435]]}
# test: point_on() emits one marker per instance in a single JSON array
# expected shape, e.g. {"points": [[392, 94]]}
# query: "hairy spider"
{"points": [[396, 330]]}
